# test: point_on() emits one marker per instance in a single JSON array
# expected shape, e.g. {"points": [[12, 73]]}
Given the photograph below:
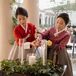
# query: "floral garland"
{"points": [[10, 67]]}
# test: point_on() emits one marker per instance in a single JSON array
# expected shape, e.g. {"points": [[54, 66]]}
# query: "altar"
{"points": [[34, 65]]}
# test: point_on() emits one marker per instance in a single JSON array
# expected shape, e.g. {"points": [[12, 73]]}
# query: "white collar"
{"points": [[65, 29], [24, 27]]}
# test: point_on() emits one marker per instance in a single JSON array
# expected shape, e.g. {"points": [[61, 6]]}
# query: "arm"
{"points": [[45, 34], [64, 41], [62, 44], [17, 36]]}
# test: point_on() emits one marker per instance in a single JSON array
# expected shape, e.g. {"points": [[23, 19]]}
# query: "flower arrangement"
{"points": [[10, 68]]}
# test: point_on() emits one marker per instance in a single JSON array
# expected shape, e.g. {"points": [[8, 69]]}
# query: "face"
{"points": [[60, 24], [22, 20]]}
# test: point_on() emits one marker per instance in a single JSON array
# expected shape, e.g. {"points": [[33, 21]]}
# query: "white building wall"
{"points": [[73, 18], [72, 1]]}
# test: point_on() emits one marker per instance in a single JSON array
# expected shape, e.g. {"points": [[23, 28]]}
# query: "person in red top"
{"points": [[23, 30]]}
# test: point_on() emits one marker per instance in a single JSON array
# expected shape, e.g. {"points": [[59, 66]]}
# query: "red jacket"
{"points": [[20, 33]]}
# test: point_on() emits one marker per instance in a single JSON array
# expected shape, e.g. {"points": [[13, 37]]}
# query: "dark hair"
{"points": [[65, 17], [21, 11]]}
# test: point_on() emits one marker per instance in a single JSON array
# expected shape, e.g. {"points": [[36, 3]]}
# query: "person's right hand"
{"points": [[38, 36], [36, 43]]}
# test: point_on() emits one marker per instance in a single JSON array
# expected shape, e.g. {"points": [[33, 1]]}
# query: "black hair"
{"points": [[21, 11], [65, 17]]}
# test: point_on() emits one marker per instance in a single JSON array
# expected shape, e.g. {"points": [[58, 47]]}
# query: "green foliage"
{"points": [[9, 67], [11, 41], [14, 21], [12, 2], [74, 32]]}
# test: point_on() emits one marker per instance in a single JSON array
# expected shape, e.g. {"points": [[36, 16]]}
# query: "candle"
{"points": [[22, 51], [32, 59], [43, 57], [44, 50]]}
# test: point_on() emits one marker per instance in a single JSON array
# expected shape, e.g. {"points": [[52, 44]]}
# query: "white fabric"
{"points": [[26, 45]]}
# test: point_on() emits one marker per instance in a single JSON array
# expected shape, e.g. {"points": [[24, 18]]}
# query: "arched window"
{"points": [[46, 20], [40, 16]]}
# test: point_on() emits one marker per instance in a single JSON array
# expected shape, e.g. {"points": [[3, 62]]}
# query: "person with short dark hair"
{"points": [[59, 36], [23, 29]]}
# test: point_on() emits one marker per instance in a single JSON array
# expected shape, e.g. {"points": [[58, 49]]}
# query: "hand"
{"points": [[38, 36], [36, 43]]}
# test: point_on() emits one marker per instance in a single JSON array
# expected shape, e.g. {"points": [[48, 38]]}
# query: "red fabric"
{"points": [[61, 40], [19, 32]]}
